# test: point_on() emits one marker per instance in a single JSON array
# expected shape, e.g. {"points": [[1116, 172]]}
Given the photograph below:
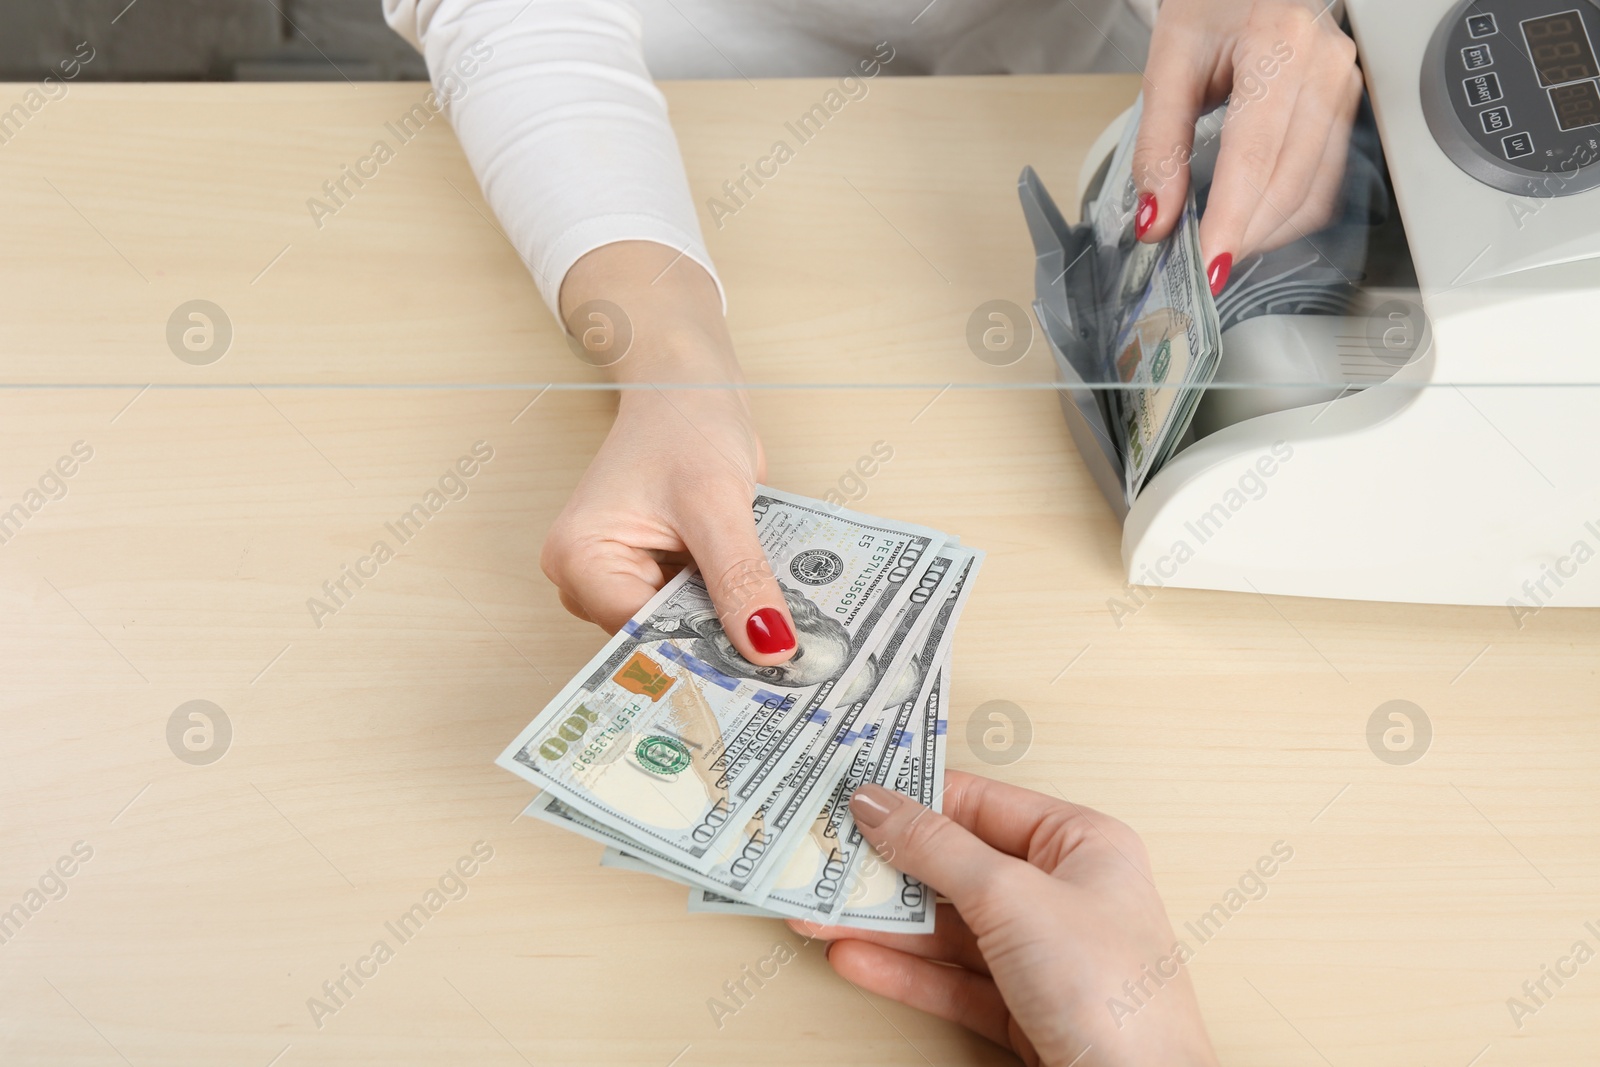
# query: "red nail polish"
{"points": [[1145, 217], [1217, 273], [769, 632]]}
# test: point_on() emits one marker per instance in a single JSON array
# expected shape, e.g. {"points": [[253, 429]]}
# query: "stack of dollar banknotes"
{"points": [[1134, 325], [691, 763]]}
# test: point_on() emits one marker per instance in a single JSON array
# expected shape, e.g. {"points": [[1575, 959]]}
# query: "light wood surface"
{"points": [[177, 567]]}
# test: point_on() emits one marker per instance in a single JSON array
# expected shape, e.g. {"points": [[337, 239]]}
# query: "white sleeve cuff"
{"points": [[584, 237]]}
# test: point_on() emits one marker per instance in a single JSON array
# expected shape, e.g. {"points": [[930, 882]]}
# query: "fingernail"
{"points": [[1145, 217], [872, 804], [1217, 273], [827, 950], [769, 632]]}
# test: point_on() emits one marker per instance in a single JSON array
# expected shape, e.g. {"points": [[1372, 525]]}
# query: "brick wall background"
{"points": [[182, 40]]}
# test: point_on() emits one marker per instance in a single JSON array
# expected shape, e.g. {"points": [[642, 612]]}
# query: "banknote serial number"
{"points": [[574, 728], [851, 599]]}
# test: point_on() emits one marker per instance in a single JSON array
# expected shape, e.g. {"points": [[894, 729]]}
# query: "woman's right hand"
{"points": [[676, 475], [1290, 75], [1055, 944]]}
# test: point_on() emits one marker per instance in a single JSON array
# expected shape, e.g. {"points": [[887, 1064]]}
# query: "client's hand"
{"points": [[1053, 912]]}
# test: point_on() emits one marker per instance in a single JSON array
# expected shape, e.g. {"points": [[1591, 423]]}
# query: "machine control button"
{"points": [[1482, 25], [1477, 56], [1495, 120], [1517, 145], [1483, 89]]}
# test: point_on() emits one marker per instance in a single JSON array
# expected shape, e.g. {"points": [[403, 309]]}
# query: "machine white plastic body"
{"points": [[1473, 475]]}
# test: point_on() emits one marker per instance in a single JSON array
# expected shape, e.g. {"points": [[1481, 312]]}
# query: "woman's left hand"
{"points": [[1290, 76]]}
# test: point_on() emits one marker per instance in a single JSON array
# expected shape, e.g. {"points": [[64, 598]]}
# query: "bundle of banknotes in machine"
{"points": [[690, 762], [1135, 324]]}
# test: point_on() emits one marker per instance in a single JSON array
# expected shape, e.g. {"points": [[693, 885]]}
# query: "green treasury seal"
{"points": [[662, 755]]}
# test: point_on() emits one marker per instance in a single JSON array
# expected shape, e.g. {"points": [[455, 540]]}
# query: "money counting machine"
{"points": [[1407, 406]]}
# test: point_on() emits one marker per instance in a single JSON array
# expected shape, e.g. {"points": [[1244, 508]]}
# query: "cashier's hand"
{"points": [[675, 477], [1290, 76], [1053, 910]]}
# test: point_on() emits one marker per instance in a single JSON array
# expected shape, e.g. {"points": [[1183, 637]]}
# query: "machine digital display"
{"points": [[1559, 47], [1511, 92], [1577, 105]]}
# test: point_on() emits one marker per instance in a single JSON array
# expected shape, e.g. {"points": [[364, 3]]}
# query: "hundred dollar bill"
{"points": [[920, 762], [616, 858], [821, 869], [1167, 351], [727, 877], [701, 898], [877, 896], [763, 846], [671, 738], [740, 860], [1164, 341], [881, 897], [816, 881], [706, 901], [814, 778]]}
